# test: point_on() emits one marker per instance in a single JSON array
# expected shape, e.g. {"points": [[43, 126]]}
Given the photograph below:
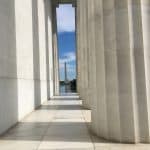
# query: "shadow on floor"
{"points": [[51, 132], [54, 131], [65, 98], [62, 107]]}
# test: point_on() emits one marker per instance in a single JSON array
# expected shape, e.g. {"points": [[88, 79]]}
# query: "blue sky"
{"points": [[66, 40]]}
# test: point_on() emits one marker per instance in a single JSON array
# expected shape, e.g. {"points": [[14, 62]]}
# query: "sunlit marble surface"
{"points": [[60, 124]]}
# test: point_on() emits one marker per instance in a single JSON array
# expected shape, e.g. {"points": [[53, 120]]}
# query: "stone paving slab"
{"points": [[59, 125]]}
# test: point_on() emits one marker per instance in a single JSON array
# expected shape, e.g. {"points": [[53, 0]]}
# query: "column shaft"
{"points": [[55, 53], [101, 112], [113, 67], [145, 9], [92, 94], [81, 51], [86, 103], [125, 77], [112, 98], [78, 48], [137, 49]]}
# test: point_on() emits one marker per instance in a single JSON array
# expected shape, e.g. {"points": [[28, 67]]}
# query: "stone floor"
{"points": [[60, 124]]}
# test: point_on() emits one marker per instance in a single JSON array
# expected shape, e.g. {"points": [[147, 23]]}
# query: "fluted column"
{"points": [[92, 94], [118, 51], [78, 24], [115, 80], [137, 48], [125, 73], [86, 103], [145, 9], [82, 51], [99, 111], [55, 53], [111, 78]]}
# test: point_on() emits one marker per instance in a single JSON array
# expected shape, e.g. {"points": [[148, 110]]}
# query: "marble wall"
{"points": [[25, 58]]}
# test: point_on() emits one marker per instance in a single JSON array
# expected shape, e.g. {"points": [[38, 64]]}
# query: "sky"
{"points": [[66, 40]]}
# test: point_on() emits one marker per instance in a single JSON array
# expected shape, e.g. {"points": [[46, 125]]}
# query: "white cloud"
{"points": [[66, 18], [68, 57], [71, 71], [71, 67]]}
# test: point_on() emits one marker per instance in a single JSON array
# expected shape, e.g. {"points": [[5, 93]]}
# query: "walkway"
{"points": [[60, 124]]}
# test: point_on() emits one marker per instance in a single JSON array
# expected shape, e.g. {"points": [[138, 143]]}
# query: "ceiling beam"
{"points": [[57, 2]]}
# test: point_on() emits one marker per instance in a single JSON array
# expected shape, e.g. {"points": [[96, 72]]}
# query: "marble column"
{"points": [[84, 33], [111, 70], [79, 49], [115, 41], [145, 9], [116, 101], [99, 108], [92, 94], [55, 52], [82, 51], [125, 73], [138, 65]]}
